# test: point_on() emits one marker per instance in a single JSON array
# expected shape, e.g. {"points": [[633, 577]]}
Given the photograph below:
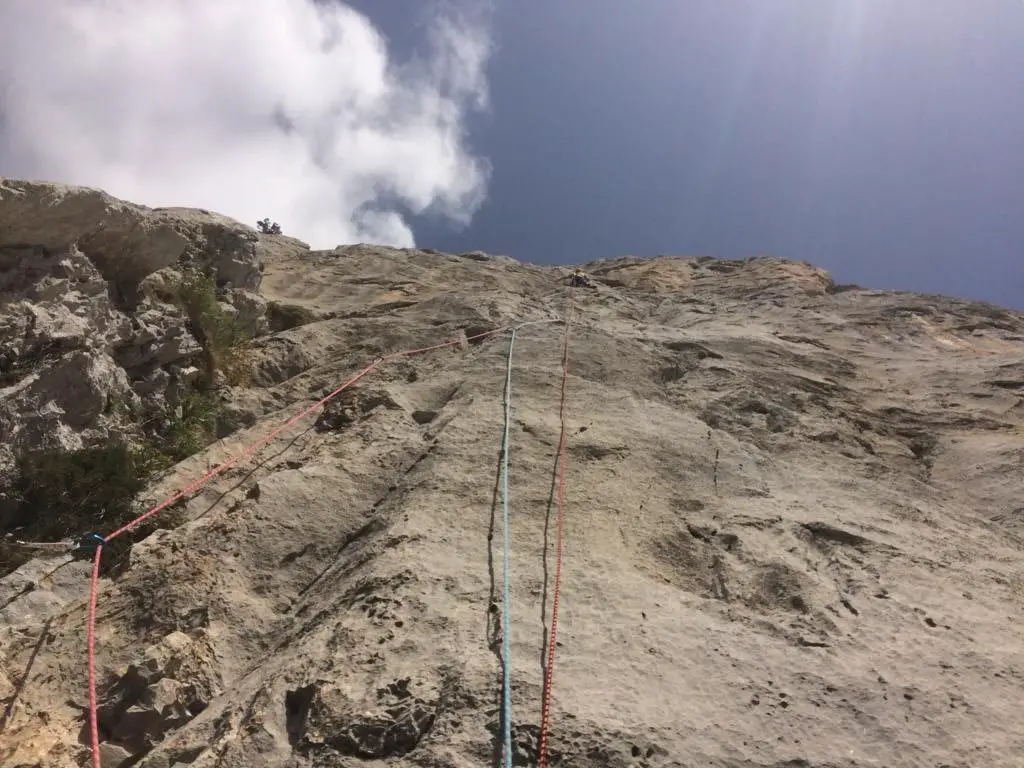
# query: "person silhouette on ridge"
{"points": [[579, 280]]}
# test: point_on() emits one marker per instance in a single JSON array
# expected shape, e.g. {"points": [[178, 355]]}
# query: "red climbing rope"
{"points": [[545, 710], [94, 730], [94, 590]]}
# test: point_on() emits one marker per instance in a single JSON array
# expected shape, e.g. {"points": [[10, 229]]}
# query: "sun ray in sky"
{"points": [[727, 115], [834, 101]]}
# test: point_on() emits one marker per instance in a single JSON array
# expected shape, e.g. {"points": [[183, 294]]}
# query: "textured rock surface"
{"points": [[793, 532], [90, 345], [127, 242]]}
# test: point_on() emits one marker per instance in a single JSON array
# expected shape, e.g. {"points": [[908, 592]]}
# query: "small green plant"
{"points": [[59, 495], [194, 427], [62, 494], [225, 343], [268, 227]]}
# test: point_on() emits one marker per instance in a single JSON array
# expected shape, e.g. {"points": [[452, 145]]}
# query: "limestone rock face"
{"points": [[793, 529], [58, 328], [126, 242], [160, 337], [90, 341], [173, 681], [250, 310]]}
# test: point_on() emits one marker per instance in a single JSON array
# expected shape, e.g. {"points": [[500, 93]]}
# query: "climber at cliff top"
{"points": [[578, 278]]}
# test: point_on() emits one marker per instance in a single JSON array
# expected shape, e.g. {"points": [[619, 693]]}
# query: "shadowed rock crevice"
{"points": [[388, 723]]}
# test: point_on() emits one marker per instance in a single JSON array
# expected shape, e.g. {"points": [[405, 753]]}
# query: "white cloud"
{"points": [[283, 108]]}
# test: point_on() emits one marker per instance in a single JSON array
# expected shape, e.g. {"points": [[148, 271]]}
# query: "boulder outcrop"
{"points": [[91, 342]]}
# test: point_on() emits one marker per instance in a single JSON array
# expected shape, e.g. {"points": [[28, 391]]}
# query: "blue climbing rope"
{"points": [[506, 620]]}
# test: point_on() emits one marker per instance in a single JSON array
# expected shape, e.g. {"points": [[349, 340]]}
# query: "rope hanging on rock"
{"points": [[549, 669], [506, 618], [100, 541]]}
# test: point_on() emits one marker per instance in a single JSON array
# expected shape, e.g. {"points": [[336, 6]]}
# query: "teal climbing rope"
{"points": [[506, 619]]}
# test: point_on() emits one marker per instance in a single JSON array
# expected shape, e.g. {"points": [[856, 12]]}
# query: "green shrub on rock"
{"points": [[225, 343], [67, 494], [194, 426], [61, 495]]}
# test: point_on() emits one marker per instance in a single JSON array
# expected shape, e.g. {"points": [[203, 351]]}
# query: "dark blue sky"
{"points": [[880, 139]]}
